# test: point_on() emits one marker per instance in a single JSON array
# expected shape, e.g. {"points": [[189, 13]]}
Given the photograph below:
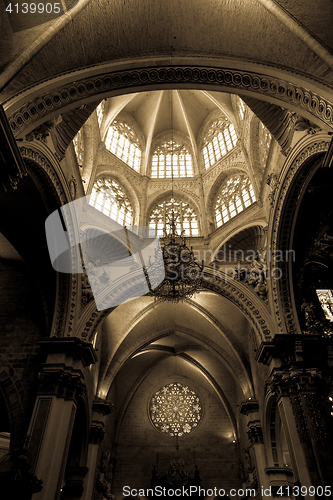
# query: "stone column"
{"points": [[258, 478], [300, 394], [61, 384], [100, 409], [301, 378]]}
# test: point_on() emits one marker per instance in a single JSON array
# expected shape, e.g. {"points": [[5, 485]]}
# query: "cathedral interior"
{"points": [[209, 124]]}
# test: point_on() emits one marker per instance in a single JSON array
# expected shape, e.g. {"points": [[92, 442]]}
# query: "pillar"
{"points": [[301, 375], [100, 409], [250, 408], [61, 383]]}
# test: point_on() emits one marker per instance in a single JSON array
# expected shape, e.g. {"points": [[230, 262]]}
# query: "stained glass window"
{"points": [[122, 142], [79, 147], [219, 140], [186, 218], [235, 194], [171, 159], [109, 197], [175, 409]]}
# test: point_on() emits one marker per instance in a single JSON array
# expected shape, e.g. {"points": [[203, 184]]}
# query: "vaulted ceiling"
{"points": [[226, 33]]}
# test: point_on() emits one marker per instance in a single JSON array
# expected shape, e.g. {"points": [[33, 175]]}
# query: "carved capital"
{"points": [[103, 407], [293, 381], [249, 406], [255, 433], [72, 347], [97, 433], [61, 383]]}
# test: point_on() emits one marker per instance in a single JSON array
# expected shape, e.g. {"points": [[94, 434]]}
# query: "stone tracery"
{"points": [[175, 409]]}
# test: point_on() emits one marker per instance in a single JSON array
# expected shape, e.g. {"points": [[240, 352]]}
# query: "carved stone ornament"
{"points": [[40, 133], [249, 463], [63, 384], [293, 381], [255, 433], [220, 78], [302, 124], [255, 275], [272, 181], [249, 406], [97, 433], [72, 186]]}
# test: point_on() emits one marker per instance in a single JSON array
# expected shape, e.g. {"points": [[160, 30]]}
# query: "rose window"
{"points": [[175, 409]]}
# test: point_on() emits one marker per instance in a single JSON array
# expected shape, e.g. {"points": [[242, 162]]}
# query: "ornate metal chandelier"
{"points": [[183, 275]]}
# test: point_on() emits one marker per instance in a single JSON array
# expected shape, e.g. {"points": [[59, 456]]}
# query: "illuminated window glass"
{"points": [[171, 159], [100, 112], [175, 410], [79, 147], [185, 218], [235, 194], [122, 142], [265, 139], [241, 108], [219, 140], [108, 197]]}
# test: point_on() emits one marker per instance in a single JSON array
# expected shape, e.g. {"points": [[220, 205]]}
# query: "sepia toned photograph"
{"points": [[166, 250]]}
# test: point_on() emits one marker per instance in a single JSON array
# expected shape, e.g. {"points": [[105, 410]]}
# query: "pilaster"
{"points": [[97, 430]]}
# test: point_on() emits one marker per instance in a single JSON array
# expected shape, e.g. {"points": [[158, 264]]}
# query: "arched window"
{"points": [[171, 159], [79, 147], [241, 108], [100, 111], [186, 218], [265, 139], [219, 140], [109, 197], [236, 194], [122, 142]]}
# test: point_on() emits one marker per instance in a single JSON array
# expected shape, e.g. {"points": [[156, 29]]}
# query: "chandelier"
{"points": [[183, 274]]}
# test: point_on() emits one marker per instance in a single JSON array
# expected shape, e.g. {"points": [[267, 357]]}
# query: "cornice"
{"points": [[68, 96]]}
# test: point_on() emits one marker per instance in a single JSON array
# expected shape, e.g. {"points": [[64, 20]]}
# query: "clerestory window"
{"points": [[235, 194], [122, 142], [185, 218], [109, 198], [171, 159], [219, 140]]}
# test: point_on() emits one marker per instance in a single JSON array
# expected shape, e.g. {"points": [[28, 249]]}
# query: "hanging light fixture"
{"points": [[183, 274]]}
